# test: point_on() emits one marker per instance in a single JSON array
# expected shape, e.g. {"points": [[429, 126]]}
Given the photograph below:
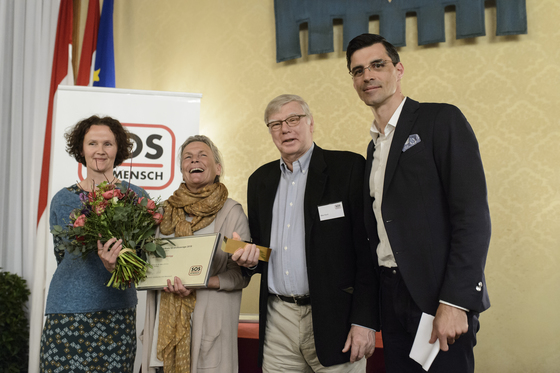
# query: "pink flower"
{"points": [[151, 204], [158, 217], [80, 222], [113, 193], [100, 208]]}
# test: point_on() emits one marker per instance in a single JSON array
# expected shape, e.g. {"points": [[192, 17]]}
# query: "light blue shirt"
{"points": [[287, 266]]}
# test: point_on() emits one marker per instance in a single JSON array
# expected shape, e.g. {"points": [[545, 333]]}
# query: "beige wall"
{"points": [[506, 86]]}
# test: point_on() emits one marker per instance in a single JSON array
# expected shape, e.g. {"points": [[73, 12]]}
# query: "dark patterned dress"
{"points": [[102, 341]]}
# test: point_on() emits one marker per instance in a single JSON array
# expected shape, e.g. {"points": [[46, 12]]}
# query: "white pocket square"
{"points": [[410, 142]]}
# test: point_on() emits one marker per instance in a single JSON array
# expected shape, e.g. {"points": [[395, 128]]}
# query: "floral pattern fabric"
{"points": [[103, 341]]}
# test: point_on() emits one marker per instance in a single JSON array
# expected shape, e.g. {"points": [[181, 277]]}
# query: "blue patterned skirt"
{"points": [[103, 341]]}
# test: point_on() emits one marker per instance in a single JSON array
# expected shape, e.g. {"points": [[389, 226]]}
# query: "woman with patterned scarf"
{"points": [[187, 330]]}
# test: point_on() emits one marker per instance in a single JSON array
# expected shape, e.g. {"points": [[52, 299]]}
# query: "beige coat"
{"points": [[216, 313]]}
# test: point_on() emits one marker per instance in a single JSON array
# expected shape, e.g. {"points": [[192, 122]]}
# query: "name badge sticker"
{"points": [[332, 211]]}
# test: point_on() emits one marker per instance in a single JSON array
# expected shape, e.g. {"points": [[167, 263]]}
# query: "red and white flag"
{"points": [[89, 45], [61, 73]]}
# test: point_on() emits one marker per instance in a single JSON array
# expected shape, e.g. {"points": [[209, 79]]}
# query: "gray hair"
{"points": [[211, 145], [276, 104]]}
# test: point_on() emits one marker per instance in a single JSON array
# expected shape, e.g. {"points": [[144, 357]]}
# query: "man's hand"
{"points": [[247, 256], [362, 342], [450, 322]]}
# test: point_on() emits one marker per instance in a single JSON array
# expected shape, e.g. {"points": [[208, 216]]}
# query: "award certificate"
{"points": [[190, 259]]}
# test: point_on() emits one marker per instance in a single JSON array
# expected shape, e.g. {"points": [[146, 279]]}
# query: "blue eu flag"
{"points": [[104, 68]]}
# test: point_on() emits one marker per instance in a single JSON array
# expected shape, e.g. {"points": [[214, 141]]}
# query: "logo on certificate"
{"points": [[195, 270]]}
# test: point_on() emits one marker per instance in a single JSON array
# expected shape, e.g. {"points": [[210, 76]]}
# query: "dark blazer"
{"points": [[342, 283], [435, 208]]}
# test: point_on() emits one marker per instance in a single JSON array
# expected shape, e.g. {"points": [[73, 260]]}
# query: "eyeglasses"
{"points": [[291, 121], [377, 65]]}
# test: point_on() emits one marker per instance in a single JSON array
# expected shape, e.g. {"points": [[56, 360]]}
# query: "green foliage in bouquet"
{"points": [[115, 211], [14, 327]]}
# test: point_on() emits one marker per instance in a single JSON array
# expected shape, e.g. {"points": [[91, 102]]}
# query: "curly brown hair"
{"points": [[75, 138]]}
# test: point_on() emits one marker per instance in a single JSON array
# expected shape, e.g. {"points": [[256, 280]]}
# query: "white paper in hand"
{"points": [[422, 351]]}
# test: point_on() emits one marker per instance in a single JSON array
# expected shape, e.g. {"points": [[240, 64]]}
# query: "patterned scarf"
{"points": [[174, 342]]}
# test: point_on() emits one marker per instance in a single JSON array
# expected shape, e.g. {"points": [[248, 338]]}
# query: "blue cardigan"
{"points": [[78, 285]]}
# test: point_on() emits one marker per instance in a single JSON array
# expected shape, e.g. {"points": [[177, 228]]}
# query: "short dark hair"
{"points": [[75, 138], [367, 40]]}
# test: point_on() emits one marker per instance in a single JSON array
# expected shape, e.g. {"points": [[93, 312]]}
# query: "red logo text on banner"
{"points": [[153, 157]]}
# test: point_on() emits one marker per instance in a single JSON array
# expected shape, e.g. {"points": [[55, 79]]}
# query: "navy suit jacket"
{"points": [[340, 270], [435, 208]]}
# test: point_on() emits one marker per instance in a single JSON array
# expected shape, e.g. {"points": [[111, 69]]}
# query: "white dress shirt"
{"points": [[382, 143]]}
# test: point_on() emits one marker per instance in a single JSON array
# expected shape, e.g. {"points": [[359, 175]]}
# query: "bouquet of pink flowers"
{"points": [[115, 211]]}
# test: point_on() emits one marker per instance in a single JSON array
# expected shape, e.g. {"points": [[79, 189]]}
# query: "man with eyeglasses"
{"points": [[427, 213], [317, 305]]}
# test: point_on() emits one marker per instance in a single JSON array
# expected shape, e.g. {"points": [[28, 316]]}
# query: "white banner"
{"points": [[159, 123]]}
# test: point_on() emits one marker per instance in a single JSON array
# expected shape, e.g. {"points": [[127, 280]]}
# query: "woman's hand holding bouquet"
{"points": [[117, 224]]}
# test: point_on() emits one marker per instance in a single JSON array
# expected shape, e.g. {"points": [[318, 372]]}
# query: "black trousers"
{"points": [[400, 317]]}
